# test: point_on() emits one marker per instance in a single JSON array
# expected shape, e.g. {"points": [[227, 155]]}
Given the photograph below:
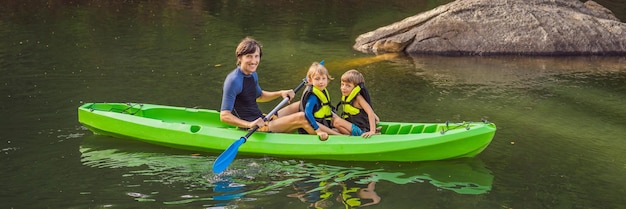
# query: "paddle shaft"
{"points": [[275, 110]]}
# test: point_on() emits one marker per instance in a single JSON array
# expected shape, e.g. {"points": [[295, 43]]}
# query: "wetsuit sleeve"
{"points": [[308, 111], [230, 91]]}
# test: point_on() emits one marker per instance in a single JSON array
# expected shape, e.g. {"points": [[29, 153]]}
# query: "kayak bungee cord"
{"points": [[131, 105], [447, 128], [458, 125], [123, 111]]}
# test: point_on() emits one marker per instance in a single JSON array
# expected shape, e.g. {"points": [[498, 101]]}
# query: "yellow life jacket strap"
{"points": [[347, 101], [325, 111]]}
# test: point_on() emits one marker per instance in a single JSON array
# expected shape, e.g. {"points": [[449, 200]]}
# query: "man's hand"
{"points": [[288, 93], [258, 122]]}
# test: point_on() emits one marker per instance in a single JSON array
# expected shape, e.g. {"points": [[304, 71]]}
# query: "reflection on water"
{"points": [[356, 191], [322, 186], [149, 166], [316, 185], [509, 71], [500, 71]]}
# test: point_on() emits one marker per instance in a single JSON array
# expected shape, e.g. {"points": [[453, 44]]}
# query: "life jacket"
{"points": [[323, 113], [352, 113]]}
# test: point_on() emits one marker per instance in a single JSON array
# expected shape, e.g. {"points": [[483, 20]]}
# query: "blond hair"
{"points": [[317, 68], [353, 76]]}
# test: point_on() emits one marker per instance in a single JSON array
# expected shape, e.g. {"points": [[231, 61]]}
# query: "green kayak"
{"points": [[202, 130]]}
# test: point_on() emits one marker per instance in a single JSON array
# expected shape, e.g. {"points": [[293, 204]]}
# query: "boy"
{"points": [[316, 105], [356, 104]]}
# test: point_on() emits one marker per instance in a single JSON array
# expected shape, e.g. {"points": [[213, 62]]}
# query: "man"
{"points": [[242, 92]]}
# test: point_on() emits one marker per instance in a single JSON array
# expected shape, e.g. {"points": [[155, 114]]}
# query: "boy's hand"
{"points": [[368, 134], [323, 135]]}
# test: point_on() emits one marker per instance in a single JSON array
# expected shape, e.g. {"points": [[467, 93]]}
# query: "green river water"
{"points": [[561, 120]]}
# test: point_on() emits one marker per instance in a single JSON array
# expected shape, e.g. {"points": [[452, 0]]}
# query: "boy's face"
{"points": [[319, 81], [346, 88]]}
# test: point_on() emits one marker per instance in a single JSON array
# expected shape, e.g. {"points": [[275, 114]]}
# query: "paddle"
{"points": [[227, 157]]}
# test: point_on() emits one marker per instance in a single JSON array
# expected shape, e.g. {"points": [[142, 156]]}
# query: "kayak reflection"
{"points": [[316, 185], [463, 176], [322, 186]]}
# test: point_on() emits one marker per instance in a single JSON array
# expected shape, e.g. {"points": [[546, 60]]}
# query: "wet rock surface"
{"points": [[520, 27]]}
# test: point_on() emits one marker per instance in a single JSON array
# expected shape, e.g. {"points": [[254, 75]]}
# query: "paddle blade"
{"points": [[227, 157]]}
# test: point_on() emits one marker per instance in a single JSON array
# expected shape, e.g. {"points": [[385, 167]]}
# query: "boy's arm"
{"points": [[308, 111], [371, 116]]}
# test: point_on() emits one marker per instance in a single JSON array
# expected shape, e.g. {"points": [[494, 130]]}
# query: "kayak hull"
{"points": [[202, 130]]}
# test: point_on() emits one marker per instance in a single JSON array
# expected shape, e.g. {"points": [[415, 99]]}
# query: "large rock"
{"points": [[488, 27]]}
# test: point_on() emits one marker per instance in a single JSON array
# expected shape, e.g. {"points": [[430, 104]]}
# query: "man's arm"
{"points": [[227, 116], [267, 96]]}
